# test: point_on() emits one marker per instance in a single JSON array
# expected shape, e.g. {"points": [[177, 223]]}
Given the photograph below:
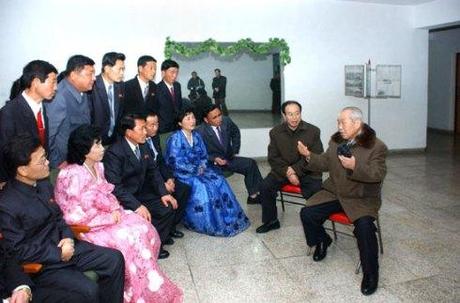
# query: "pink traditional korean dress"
{"points": [[87, 199]]}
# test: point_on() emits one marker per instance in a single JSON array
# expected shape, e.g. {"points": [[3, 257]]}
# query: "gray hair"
{"points": [[355, 113]]}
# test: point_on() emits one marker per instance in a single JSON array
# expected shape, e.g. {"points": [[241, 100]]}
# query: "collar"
{"points": [[106, 83], [142, 84], [23, 187], [131, 145], [168, 85], [75, 93], [34, 105]]}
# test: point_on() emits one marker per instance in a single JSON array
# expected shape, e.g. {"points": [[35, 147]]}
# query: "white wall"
{"points": [[323, 36], [436, 14], [441, 89]]}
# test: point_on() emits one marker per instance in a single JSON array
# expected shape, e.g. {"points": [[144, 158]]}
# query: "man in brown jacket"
{"points": [[287, 164], [355, 160]]}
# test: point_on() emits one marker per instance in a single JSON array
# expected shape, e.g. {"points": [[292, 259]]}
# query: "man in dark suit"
{"points": [[16, 286], [35, 231], [138, 182], [179, 190], [287, 164], [25, 113], [141, 90], [106, 98], [222, 138], [169, 97], [219, 86]]}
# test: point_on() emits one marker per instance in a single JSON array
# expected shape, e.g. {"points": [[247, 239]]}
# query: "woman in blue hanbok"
{"points": [[212, 207]]}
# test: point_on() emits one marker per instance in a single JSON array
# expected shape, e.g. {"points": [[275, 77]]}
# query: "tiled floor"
{"points": [[421, 235]]}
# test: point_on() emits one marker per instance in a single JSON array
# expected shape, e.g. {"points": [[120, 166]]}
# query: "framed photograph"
{"points": [[354, 80], [388, 81]]}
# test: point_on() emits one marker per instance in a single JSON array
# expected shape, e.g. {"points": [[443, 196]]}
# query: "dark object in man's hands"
{"points": [[344, 149]]}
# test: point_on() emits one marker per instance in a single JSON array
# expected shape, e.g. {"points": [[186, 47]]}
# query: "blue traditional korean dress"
{"points": [[212, 207]]}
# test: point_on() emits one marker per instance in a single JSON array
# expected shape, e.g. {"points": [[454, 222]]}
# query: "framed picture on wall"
{"points": [[388, 82], [354, 80]]}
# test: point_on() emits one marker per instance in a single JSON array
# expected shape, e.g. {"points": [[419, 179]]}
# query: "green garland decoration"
{"points": [[212, 46]]}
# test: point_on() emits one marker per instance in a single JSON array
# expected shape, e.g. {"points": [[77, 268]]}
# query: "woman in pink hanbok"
{"points": [[85, 197]]}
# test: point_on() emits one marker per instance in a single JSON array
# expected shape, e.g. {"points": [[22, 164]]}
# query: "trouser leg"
{"points": [[367, 244], [247, 167], [268, 191], [310, 186], [313, 218]]}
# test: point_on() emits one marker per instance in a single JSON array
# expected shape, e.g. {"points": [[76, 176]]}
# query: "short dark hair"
{"points": [[76, 63], [129, 121], [168, 63], [184, 112], [217, 70], [210, 108], [110, 59], [17, 152], [80, 142], [290, 102], [151, 114], [34, 69], [142, 61]]}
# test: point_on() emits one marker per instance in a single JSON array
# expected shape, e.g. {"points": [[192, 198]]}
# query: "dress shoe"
{"points": [[176, 234], [321, 249], [275, 224], [369, 284], [163, 254], [169, 241], [255, 200]]}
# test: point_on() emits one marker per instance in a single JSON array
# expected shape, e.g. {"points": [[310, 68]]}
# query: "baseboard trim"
{"points": [[441, 131]]}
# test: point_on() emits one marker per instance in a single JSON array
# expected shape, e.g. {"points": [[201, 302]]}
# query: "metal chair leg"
{"points": [[379, 236], [358, 267], [282, 201], [334, 231]]}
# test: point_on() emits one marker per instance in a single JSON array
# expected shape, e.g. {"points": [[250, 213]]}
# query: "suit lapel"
{"points": [[100, 89], [129, 152]]}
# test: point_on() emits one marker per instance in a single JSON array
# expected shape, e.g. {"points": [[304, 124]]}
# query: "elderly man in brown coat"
{"points": [[287, 164], [355, 160]]}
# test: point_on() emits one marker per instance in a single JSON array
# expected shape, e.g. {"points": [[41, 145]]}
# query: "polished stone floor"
{"points": [[421, 235]]}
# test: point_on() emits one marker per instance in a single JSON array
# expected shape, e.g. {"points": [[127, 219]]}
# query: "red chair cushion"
{"points": [[293, 189], [341, 218]]}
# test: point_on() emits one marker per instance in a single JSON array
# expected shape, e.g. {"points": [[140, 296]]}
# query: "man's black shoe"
{"points": [[163, 254], [169, 241], [176, 234], [321, 249], [268, 226], [369, 284], [255, 200]]}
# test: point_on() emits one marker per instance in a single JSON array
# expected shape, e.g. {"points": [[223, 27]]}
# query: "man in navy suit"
{"points": [[222, 138], [141, 91], [169, 97], [106, 98], [139, 185], [25, 113], [70, 107], [34, 230]]}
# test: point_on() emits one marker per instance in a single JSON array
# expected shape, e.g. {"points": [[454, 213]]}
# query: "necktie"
{"points": [[41, 128], [152, 147], [173, 95], [219, 136], [112, 109], [137, 152], [146, 91]]}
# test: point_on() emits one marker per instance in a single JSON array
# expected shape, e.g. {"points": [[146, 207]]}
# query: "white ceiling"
{"points": [[394, 2]]}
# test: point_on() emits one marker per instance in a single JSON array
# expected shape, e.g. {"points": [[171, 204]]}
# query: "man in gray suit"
{"points": [[222, 138], [70, 107]]}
